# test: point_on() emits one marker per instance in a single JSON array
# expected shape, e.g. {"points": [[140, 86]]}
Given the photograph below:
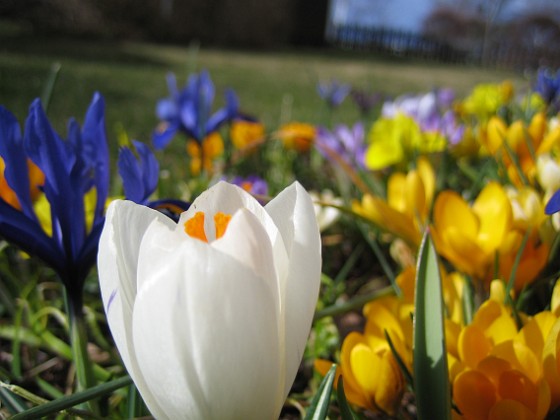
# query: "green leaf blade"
{"points": [[431, 378], [320, 404]]}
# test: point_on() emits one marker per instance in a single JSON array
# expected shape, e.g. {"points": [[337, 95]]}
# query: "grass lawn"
{"points": [[275, 86]]}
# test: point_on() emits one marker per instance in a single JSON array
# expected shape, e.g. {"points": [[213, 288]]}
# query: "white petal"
{"points": [[160, 240], [206, 336], [292, 210], [117, 261], [229, 198], [226, 198], [247, 241]]}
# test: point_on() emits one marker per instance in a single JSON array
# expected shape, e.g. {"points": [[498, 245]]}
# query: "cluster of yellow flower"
{"points": [[496, 367], [493, 237]]}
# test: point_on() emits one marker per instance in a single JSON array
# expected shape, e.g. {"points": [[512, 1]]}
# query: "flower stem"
{"points": [[352, 304], [78, 341]]}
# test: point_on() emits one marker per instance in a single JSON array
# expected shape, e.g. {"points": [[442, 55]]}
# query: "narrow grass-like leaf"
{"points": [[18, 319], [24, 393], [380, 258], [320, 403], [402, 366], [135, 404], [69, 401], [48, 388], [49, 85], [354, 303], [513, 274], [11, 401], [467, 301], [431, 380], [350, 263], [346, 412], [44, 339]]}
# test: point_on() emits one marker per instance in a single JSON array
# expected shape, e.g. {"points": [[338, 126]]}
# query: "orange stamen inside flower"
{"points": [[195, 225], [221, 221]]}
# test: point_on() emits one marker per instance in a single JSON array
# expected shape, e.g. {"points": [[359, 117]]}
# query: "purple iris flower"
{"points": [[72, 168], [365, 101], [189, 110], [548, 86], [333, 93], [252, 183], [140, 178], [553, 205], [346, 142]]}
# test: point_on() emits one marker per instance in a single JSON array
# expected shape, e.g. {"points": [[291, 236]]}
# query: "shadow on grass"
{"points": [[58, 48]]}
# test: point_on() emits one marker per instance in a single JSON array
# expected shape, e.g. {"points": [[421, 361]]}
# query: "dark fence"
{"points": [[382, 40], [408, 44]]}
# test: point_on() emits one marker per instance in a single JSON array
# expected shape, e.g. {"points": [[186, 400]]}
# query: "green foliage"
{"points": [[431, 378], [319, 406], [69, 401]]}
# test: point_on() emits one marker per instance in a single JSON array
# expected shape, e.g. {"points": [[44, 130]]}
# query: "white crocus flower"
{"points": [[211, 315], [326, 214], [548, 173]]}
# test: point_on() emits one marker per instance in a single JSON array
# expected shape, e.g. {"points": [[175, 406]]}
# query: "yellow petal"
{"points": [[455, 367], [366, 365], [536, 330], [452, 332], [550, 140], [416, 197], [379, 319], [390, 391], [354, 391], [498, 291], [391, 220], [514, 385], [322, 366], [473, 345], [516, 135], [520, 357], [537, 127], [464, 252], [551, 363], [396, 191], [544, 399], [496, 134], [555, 299], [493, 208], [511, 410], [385, 148], [428, 177], [493, 368], [502, 329], [488, 312], [450, 210], [474, 394]]}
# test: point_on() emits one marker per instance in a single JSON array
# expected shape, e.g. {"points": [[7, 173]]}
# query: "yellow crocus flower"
{"points": [[246, 135], [395, 140], [297, 136], [471, 236], [485, 99], [498, 370], [409, 200], [522, 142], [203, 156]]}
